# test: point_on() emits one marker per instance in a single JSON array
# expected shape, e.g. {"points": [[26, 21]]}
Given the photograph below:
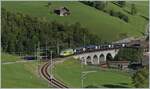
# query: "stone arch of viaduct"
{"points": [[96, 57]]}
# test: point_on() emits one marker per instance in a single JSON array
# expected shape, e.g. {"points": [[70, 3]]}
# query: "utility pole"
{"points": [[82, 81], [58, 47], [46, 50], [84, 39], [84, 73], [70, 42], [51, 65], [19, 53], [35, 55], [35, 52], [81, 73], [38, 56]]}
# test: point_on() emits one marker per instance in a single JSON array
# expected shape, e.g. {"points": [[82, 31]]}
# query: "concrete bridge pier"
{"points": [[83, 61]]}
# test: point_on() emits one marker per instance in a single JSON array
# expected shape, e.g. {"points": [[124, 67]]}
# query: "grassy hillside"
{"points": [[20, 75], [98, 22], [137, 21], [100, 78]]}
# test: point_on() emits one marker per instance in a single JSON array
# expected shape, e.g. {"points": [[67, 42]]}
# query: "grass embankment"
{"points": [[70, 73], [105, 26], [20, 75], [9, 58]]}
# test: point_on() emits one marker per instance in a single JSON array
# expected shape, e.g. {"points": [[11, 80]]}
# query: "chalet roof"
{"points": [[62, 9]]}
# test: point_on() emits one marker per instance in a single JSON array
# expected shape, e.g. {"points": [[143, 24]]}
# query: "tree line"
{"points": [[100, 5], [130, 54], [22, 33]]}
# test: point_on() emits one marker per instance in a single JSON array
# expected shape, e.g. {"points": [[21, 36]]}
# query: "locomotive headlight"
{"points": [[84, 49], [109, 46], [96, 47], [123, 45]]}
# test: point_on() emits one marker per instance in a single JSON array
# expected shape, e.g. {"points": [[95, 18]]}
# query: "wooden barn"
{"points": [[62, 11]]}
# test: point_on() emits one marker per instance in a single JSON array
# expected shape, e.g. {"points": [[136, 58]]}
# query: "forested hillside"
{"points": [[25, 24], [22, 33]]}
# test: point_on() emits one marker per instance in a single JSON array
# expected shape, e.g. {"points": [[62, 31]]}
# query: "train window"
{"points": [[99, 47]]}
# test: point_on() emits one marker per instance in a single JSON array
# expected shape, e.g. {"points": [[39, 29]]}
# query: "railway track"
{"points": [[55, 83]]}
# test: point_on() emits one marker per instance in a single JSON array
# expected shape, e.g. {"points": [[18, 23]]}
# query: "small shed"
{"points": [[62, 11]]}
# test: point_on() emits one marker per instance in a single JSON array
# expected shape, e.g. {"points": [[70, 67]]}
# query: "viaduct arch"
{"points": [[97, 57]]}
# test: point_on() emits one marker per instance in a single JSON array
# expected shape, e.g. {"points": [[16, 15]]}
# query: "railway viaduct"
{"points": [[96, 57]]}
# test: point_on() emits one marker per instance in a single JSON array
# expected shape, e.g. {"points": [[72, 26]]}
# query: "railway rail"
{"points": [[52, 81]]}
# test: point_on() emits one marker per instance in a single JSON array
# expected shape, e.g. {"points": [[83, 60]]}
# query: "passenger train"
{"points": [[90, 48]]}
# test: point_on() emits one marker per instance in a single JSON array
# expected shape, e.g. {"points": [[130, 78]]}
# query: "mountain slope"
{"points": [[99, 23]]}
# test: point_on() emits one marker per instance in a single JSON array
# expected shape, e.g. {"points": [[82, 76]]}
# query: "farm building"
{"points": [[62, 11], [118, 64]]}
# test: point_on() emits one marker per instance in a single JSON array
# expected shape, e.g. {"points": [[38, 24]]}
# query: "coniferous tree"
{"points": [[133, 9], [121, 3]]}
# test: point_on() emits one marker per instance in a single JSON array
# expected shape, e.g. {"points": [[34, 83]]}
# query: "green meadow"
{"points": [[20, 75], [70, 73]]}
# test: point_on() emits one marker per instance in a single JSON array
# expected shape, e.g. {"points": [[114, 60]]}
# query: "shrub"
{"points": [[111, 12], [125, 18]]}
